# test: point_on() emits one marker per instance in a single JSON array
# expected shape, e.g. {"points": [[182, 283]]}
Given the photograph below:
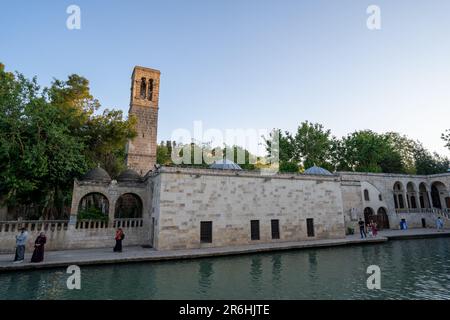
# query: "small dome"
{"points": [[97, 174], [129, 175], [318, 171], [225, 165]]}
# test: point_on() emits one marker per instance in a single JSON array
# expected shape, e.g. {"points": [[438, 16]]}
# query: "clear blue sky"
{"points": [[250, 63]]}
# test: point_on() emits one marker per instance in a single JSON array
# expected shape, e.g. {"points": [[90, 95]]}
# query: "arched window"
{"points": [[398, 196], [366, 195], [143, 91], [128, 205], [93, 206], [150, 89], [423, 196], [400, 201]]}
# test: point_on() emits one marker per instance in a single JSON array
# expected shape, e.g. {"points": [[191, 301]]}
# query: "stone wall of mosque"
{"points": [[231, 200], [416, 191]]}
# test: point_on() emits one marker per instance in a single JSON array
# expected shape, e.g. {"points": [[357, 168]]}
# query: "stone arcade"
{"points": [[183, 208]]}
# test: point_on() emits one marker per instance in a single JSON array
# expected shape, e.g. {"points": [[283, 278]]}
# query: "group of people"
{"points": [[371, 229], [39, 244]]}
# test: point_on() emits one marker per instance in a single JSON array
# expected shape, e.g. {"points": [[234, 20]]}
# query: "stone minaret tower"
{"points": [[141, 151]]}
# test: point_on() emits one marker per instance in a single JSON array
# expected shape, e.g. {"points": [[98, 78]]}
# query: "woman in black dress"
{"points": [[38, 254], [119, 237]]}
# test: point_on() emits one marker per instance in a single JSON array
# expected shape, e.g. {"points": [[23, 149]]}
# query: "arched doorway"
{"points": [[382, 219], [93, 206], [368, 215], [438, 189], [129, 205]]}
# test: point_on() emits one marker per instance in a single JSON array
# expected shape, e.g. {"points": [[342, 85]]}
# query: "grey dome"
{"points": [[318, 171], [97, 174], [225, 165], [129, 175]]}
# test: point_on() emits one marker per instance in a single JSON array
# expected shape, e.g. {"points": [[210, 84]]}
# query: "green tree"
{"points": [[163, 154], [310, 145], [50, 136], [427, 163], [405, 148], [446, 138], [38, 156], [104, 135], [367, 151]]}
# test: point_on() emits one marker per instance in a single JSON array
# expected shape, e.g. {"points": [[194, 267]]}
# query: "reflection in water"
{"points": [[256, 273], [205, 273], [410, 269], [277, 280], [276, 267]]}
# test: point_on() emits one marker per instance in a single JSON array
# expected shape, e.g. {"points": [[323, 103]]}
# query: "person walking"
{"points": [[374, 229], [362, 230], [439, 224], [38, 254], [119, 237], [21, 240]]}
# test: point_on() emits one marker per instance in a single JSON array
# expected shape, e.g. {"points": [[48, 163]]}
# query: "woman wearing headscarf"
{"points": [[38, 254], [119, 237]]}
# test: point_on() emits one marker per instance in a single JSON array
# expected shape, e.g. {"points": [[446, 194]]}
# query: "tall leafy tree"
{"points": [[406, 149], [38, 156], [428, 163], [104, 135], [50, 136], [367, 151], [310, 145]]}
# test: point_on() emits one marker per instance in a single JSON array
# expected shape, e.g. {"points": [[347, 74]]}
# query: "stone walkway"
{"points": [[138, 254]]}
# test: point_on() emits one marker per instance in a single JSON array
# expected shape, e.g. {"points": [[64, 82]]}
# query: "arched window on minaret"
{"points": [[150, 89], [143, 88]]}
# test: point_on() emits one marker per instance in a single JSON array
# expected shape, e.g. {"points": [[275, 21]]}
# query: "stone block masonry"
{"points": [[141, 151], [231, 200]]}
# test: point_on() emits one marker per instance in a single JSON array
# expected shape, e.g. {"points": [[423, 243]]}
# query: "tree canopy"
{"points": [[49, 136], [361, 151]]}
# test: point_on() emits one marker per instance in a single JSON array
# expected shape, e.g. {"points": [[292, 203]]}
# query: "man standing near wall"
{"points": [[21, 240], [362, 230]]}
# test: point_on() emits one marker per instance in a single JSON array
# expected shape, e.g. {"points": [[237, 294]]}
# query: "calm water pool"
{"points": [[410, 269]]}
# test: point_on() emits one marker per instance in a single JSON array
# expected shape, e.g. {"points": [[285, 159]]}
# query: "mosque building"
{"points": [[172, 207]]}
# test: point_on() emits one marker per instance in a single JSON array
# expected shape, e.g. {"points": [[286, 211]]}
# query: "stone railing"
{"points": [[58, 225], [91, 224], [128, 223], [34, 225], [443, 212]]}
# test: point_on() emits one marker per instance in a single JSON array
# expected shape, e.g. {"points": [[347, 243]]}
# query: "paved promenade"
{"points": [[138, 254]]}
